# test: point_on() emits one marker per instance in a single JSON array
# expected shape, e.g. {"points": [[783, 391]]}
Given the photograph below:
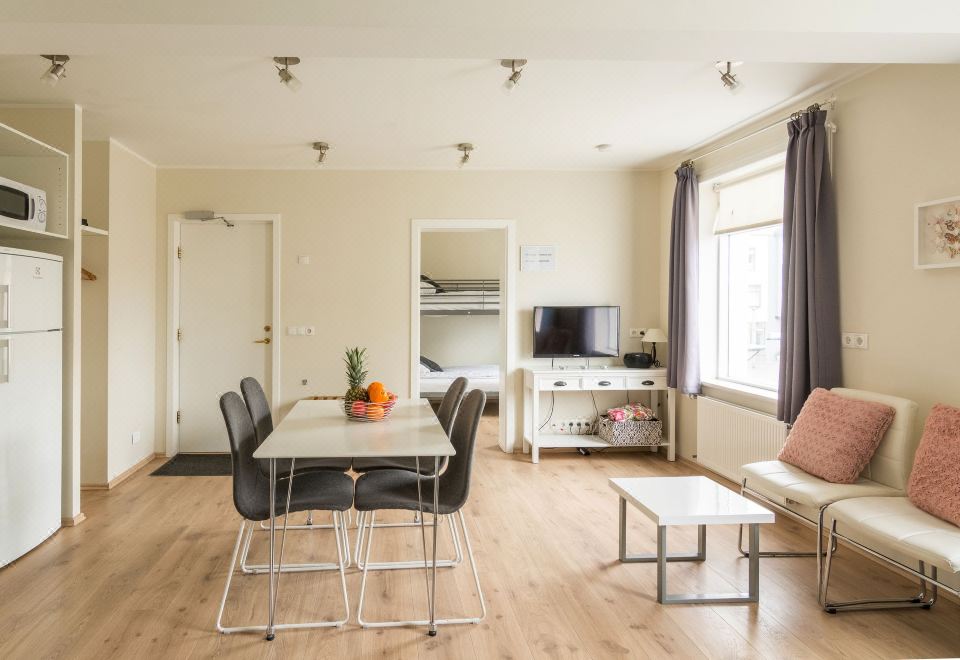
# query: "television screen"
{"points": [[576, 332]]}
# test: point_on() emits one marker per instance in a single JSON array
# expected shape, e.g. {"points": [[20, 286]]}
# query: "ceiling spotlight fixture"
{"points": [[323, 148], [603, 147], [466, 148], [286, 75], [516, 70], [727, 76], [57, 69]]}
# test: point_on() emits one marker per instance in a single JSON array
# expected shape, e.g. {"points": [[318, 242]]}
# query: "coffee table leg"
{"points": [[627, 558]]}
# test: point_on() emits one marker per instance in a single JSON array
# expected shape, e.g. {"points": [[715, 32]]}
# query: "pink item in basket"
{"points": [[835, 437], [935, 480], [631, 412]]}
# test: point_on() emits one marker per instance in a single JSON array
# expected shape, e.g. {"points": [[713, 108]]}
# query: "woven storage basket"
{"points": [[631, 433]]}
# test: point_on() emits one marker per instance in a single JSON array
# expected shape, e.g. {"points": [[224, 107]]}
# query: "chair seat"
{"points": [[894, 523], [408, 463], [776, 479], [324, 490], [397, 489], [304, 465]]}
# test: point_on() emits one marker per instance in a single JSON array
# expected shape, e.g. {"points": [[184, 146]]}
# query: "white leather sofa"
{"points": [[805, 497], [894, 530]]}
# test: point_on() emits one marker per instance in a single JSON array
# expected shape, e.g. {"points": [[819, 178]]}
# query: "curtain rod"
{"points": [[828, 103]]}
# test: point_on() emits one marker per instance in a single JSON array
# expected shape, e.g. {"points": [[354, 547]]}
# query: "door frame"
{"points": [[175, 222], [508, 320]]}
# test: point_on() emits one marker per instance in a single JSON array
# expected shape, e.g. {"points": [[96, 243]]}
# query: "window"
{"points": [[742, 240]]}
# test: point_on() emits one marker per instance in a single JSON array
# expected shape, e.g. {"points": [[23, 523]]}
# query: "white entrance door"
{"points": [[226, 324]]}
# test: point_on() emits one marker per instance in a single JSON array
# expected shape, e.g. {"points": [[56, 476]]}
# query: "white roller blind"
{"points": [[756, 201]]}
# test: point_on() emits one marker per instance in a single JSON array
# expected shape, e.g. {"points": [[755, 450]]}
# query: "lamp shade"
{"points": [[655, 336]]}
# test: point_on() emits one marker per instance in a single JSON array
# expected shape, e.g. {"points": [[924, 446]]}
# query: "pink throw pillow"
{"points": [[935, 480], [835, 437]]}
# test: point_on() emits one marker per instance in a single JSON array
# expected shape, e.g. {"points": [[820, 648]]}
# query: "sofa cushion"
{"points": [[895, 525], [776, 479], [935, 480], [835, 437]]}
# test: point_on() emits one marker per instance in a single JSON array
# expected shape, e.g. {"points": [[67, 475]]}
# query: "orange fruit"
{"points": [[374, 411], [377, 392]]}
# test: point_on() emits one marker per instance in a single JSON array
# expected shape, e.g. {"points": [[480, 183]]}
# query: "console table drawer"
{"points": [[647, 383], [560, 383], [604, 383]]}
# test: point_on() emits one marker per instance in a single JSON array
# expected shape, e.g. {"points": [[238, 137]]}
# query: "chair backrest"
{"points": [[257, 407], [248, 483], [893, 460], [451, 403], [455, 480]]}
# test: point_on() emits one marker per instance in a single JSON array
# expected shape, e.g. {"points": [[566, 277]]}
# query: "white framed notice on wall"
{"points": [[538, 258]]}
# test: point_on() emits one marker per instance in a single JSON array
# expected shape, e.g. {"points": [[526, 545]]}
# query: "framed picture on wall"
{"points": [[937, 234]]}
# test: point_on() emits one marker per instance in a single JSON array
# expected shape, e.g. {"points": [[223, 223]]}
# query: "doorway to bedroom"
{"points": [[462, 323]]}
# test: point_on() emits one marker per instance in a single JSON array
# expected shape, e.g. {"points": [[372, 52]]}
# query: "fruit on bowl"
{"points": [[371, 403]]}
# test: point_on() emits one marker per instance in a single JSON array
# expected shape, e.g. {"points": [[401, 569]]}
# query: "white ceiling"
{"points": [[396, 85]]}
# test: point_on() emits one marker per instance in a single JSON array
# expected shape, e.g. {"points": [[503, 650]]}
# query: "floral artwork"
{"points": [[938, 234]]}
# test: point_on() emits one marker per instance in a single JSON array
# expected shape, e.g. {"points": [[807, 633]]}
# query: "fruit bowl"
{"points": [[368, 411]]}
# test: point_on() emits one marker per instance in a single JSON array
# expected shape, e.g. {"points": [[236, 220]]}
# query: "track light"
{"points": [[516, 70], [728, 77], [57, 69], [323, 148], [286, 75], [466, 148]]}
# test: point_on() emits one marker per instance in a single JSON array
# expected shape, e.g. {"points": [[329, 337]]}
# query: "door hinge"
{"points": [[179, 417], [179, 334], [179, 252]]}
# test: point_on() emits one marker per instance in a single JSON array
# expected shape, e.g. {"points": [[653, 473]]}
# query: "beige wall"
{"points": [[896, 146], [119, 312], [132, 309], [356, 228]]}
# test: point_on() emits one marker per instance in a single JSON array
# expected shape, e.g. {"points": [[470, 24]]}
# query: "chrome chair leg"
{"points": [[341, 564], [413, 564], [367, 566], [924, 599], [257, 569]]}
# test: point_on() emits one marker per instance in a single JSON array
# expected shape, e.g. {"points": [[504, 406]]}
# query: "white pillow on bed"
{"points": [[424, 370]]}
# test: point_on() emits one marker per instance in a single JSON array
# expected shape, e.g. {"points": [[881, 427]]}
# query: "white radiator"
{"points": [[729, 436]]}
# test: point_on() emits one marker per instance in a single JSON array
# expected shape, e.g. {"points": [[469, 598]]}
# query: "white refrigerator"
{"points": [[31, 397]]}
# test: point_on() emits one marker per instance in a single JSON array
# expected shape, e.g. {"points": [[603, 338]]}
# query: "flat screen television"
{"points": [[566, 332]]}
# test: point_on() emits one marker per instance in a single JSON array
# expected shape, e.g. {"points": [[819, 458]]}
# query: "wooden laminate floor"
{"points": [[142, 577]]}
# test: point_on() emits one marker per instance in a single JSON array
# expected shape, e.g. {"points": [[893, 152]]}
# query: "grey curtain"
{"points": [[810, 312], [683, 368]]}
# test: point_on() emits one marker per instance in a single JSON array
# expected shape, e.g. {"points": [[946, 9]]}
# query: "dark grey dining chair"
{"points": [[259, 409], [401, 489], [446, 413], [324, 490]]}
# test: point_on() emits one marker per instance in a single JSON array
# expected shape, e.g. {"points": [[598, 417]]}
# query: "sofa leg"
{"points": [[925, 599], [819, 553]]}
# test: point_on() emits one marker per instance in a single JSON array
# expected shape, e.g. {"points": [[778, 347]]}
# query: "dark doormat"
{"points": [[195, 465]]}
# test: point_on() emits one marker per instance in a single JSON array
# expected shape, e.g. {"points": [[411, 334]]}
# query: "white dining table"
{"points": [[320, 429]]}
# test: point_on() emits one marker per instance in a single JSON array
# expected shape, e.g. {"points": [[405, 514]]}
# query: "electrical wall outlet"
{"points": [[636, 333], [855, 340], [135, 437], [309, 330]]}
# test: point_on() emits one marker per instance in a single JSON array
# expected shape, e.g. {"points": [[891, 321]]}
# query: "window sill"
{"points": [[755, 398]]}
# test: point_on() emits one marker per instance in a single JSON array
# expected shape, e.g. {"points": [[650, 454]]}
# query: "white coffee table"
{"points": [[669, 501]]}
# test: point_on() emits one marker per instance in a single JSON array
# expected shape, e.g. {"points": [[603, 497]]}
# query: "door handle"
{"points": [[5, 364], [265, 340]]}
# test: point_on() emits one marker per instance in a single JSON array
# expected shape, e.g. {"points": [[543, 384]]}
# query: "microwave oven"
{"points": [[23, 204]]}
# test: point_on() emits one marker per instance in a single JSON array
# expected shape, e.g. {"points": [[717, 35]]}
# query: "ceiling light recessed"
{"points": [[516, 70], [286, 75], [323, 148], [466, 148], [728, 77], [603, 147], [57, 69]]}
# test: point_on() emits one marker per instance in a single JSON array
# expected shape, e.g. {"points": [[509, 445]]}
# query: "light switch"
{"points": [[293, 330], [303, 259]]}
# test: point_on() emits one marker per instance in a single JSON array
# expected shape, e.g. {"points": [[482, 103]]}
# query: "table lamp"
{"points": [[655, 336]]}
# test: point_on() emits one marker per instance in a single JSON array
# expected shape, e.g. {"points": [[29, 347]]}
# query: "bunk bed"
{"points": [[459, 297]]}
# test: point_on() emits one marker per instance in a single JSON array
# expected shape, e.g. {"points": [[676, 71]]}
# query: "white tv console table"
{"points": [[536, 381]]}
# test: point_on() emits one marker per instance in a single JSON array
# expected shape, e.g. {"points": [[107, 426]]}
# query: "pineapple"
{"points": [[356, 361]]}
